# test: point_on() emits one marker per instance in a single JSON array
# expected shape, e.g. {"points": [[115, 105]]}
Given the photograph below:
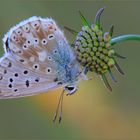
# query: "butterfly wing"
{"points": [[33, 50], [17, 80]]}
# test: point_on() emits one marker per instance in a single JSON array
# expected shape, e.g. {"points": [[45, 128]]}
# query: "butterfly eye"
{"points": [[70, 89], [44, 41], [50, 36], [48, 70]]}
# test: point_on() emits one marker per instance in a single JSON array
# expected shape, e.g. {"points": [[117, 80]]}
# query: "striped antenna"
{"points": [[71, 30]]}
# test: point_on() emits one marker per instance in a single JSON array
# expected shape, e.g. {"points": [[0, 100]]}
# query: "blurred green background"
{"points": [[93, 113]]}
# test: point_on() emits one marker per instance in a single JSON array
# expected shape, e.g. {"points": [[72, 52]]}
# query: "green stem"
{"points": [[123, 38]]}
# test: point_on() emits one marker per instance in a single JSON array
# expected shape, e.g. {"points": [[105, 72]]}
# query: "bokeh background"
{"points": [[93, 113]]}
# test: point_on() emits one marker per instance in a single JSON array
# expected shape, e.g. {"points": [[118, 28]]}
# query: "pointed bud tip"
{"points": [[98, 15], [111, 30], [84, 21]]}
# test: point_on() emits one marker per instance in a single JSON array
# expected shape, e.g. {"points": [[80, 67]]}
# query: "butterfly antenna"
{"points": [[71, 30], [57, 109]]}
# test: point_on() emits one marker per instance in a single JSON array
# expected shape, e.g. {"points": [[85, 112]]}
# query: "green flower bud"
{"points": [[105, 66], [94, 58], [95, 28], [97, 53], [98, 60], [91, 53], [79, 54], [107, 45], [84, 44], [90, 45], [99, 33], [88, 50], [106, 59], [111, 52], [81, 49], [100, 49], [105, 51], [111, 62], [83, 60], [101, 56], [89, 59], [94, 49], [85, 28], [102, 44], [85, 55], [96, 44], [100, 38], [79, 58], [107, 37]]}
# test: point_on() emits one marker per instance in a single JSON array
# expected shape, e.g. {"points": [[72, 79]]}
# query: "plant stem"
{"points": [[123, 38]]}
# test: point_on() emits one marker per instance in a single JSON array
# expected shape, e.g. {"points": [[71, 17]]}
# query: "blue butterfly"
{"points": [[37, 59]]}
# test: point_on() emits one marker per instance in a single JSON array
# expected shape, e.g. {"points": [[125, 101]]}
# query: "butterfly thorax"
{"points": [[67, 67]]}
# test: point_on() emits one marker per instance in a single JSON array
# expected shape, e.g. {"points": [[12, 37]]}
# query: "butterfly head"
{"points": [[70, 89], [70, 75]]}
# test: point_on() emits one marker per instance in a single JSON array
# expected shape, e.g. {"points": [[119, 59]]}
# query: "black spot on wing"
{"points": [[27, 83]]}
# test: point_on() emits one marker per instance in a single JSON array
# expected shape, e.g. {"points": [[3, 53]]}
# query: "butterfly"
{"points": [[38, 58]]}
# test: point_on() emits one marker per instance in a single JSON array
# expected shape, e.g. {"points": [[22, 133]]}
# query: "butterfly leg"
{"points": [[60, 105]]}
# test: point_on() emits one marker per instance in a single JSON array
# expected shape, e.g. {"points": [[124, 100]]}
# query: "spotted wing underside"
{"points": [[28, 66]]}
